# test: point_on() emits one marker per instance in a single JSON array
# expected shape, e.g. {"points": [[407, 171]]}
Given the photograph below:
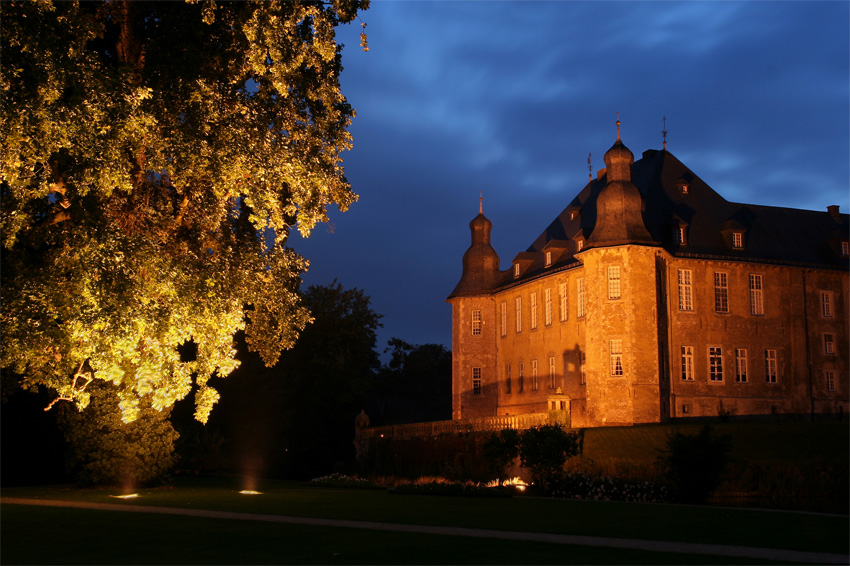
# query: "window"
{"points": [[686, 302], [614, 282], [476, 381], [770, 366], [518, 301], [516, 270], [562, 290], [845, 248], [737, 240], [687, 363], [715, 363], [547, 307], [521, 377], [552, 372], [533, 311], [679, 235], [582, 366], [580, 296], [616, 353], [504, 318], [830, 380], [508, 379], [476, 322], [756, 297], [826, 304], [579, 245], [548, 259], [534, 375], [828, 343], [721, 293], [685, 188], [741, 365]]}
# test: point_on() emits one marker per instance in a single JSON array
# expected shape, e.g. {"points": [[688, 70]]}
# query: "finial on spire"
{"points": [[618, 126], [664, 132], [481, 203], [589, 168]]}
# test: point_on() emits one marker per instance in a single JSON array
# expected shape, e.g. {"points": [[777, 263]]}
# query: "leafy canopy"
{"points": [[155, 157]]}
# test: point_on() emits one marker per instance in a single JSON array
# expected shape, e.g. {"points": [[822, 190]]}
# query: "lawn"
{"points": [[40, 535]]}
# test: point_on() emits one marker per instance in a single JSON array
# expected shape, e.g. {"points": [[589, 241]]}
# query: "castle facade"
{"points": [[650, 298]]}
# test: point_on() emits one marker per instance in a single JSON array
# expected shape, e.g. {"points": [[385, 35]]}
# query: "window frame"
{"points": [[518, 304], [686, 291], [771, 366], [738, 240], [580, 297], [547, 306], [504, 318], [476, 322], [829, 377], [721, 292], [521, 378], [756, 294], [715, 364], [551, 372], [477, 381], [826, 302], [741, 366], [615, 353], [582, 368], [548, 259], [508, 383], [564, 293], [829, 343], [534, 375], [615, 287], [533, 308], [687, 362]]}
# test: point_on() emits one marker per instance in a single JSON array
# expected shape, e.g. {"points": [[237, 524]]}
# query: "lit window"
{"points": [[685, 290], [580, 296], [521, 377], [582, 366], [547, 309], [614, 289], [826, 303], [551, 372], [476, 381], [828, 343], [737, 240], [476, 322], [679, 233], [534, 375], [770, 366], [740, 365], [687, 363], [548, 259], [721, 293], [579, 245], [516, 270], [504, 318], [508, 379], [756, 295], [518, 302], [685, 188], [715, 363], [562, 290], [830, 380], [533, 311], [845, 248], [616, 353]]}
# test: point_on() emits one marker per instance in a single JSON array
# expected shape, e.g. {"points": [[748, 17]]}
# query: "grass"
{"points": [[38, 535]]}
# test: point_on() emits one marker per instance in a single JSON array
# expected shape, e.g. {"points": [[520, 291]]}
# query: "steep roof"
{"points": [[673, 196]]}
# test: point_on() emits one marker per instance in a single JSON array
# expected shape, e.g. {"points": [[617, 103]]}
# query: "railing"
{"points": [[482, 424]]}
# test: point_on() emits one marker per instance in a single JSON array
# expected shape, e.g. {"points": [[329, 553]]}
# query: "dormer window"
{"points": [[845, 249], [679, 235], [573, 214], [737, 240], [685, 188], [579, 245], [516, 270], [548, 259]]}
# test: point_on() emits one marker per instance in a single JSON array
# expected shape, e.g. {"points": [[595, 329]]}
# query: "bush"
{"points": [[544, 450], [500, 450], [694, 464]]}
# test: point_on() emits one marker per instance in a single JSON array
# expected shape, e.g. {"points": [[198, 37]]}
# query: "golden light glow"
{"points": [[126, 496], [250, 492]]}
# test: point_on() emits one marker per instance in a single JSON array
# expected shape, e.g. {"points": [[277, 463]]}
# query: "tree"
{"points": [[501, 449], [155, 157], [416, 384], [544, 450], [694, 463]]}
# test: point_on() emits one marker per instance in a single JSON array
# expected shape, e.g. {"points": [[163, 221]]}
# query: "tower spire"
{"points": [[618, 126], [481, 203], [664, 132], [589, 168]]}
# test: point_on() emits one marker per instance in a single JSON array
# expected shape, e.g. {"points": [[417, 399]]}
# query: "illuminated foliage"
{"points": [[155, 157]]}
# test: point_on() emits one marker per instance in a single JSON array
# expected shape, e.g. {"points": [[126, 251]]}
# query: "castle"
{"points": [[650, 298]]}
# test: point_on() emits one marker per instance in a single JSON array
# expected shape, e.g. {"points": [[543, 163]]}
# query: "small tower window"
{"points": [[548, 259], [679, 235], [579, 245], [737, 240], [516, 270]]}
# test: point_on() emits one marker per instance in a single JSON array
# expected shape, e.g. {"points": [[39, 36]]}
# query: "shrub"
{"points": [[500, 450], [544, 450], [694, 463]]}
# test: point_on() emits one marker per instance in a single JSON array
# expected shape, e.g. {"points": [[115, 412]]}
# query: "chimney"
{"points": [[833, 211]]}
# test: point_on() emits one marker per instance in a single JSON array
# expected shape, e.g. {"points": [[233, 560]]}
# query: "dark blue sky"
{"points": [[508, 98]]}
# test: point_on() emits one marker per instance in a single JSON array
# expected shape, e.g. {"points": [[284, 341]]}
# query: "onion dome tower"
{"points": [[480, 262], [619, 206]]}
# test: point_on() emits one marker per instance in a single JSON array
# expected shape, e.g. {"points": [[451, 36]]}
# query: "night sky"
{"points": [[508, 98]]}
